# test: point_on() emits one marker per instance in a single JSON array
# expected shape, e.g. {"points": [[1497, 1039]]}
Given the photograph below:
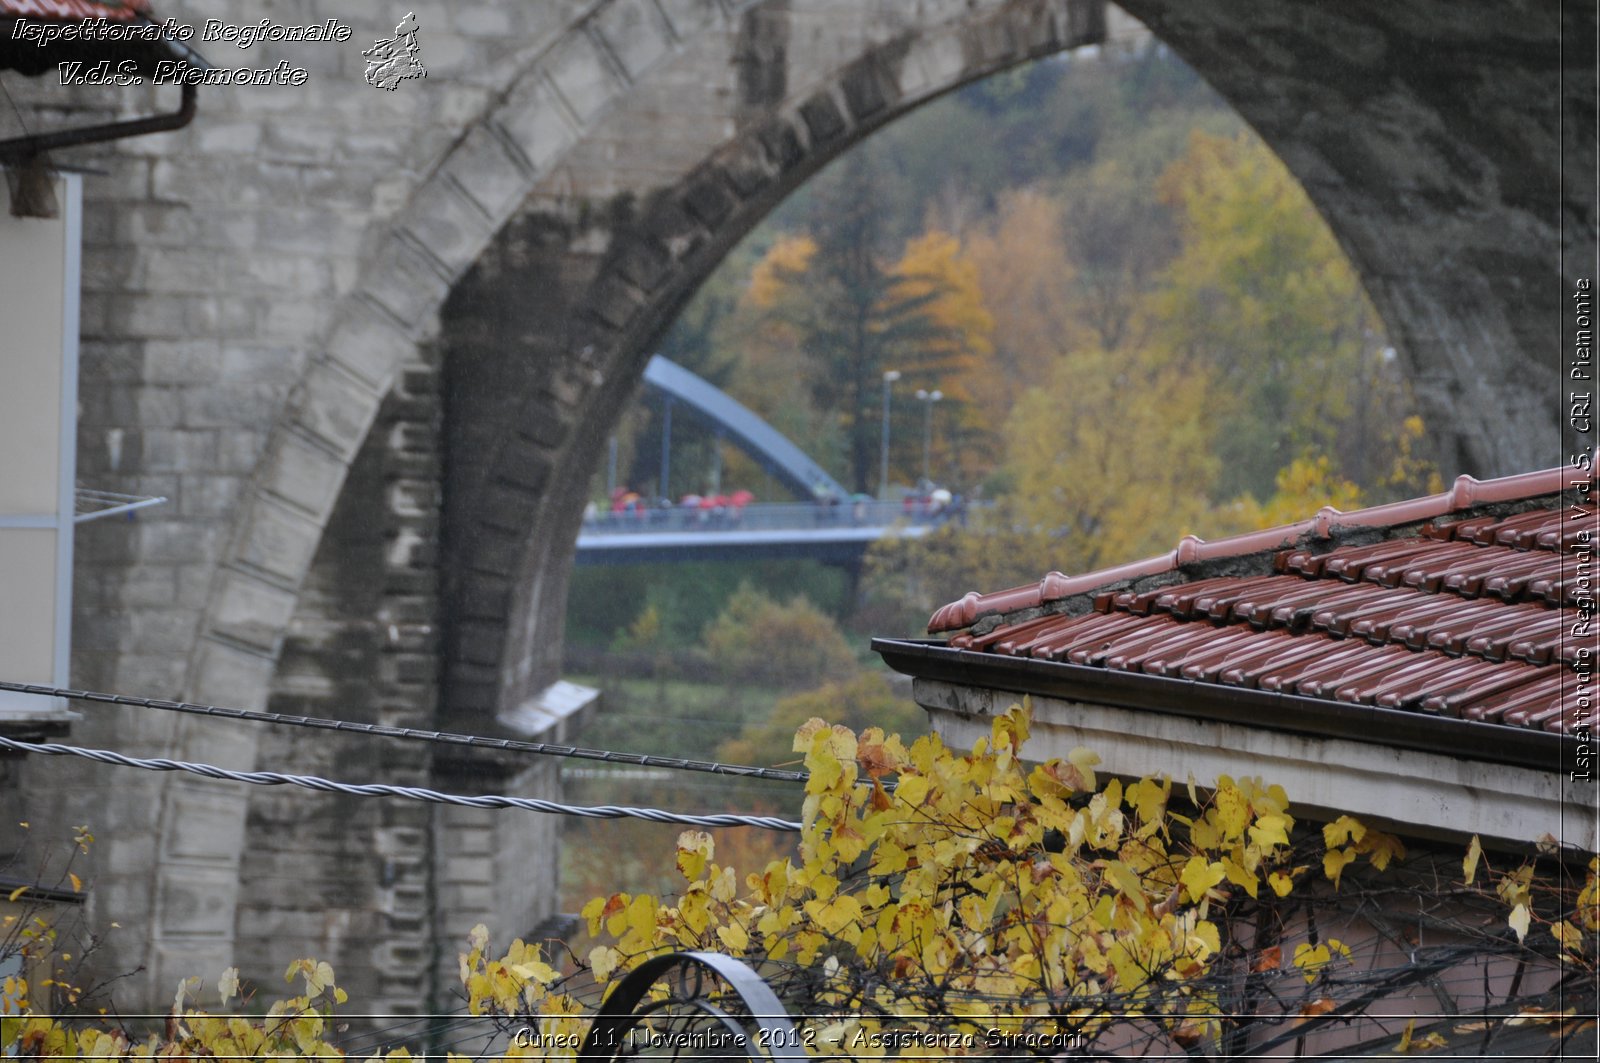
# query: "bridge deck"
{"points": [[836, 533]]}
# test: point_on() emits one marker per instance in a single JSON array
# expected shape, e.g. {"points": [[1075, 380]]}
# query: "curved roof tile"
{"points": [[1475, 618]]}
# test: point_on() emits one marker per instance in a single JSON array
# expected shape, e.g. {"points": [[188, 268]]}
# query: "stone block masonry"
{"points": [[260, 284], [354, 881]]}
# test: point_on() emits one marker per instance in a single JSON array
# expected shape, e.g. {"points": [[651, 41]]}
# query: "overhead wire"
{"points": [[511, 745], [413, 793]]}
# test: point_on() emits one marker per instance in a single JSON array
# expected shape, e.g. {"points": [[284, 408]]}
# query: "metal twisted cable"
{"points": [[511, 745], [413, 793]]}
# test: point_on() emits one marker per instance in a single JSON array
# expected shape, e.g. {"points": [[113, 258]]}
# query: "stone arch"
{"points": [[619, 262], [558, 100], [1486, 372], [452, 214], [1442, 148], [526, 425]]}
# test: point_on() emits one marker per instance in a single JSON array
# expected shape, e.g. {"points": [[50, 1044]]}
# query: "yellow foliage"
{"points": [[1026, 276], [1199, 876], [1336, 860], [825, 317], [1262, 293], [295, 1028], [976, 871], [934, 269], [1589, 898], [932, 880], [1518, 921], [1103, 423], [1469, 864], [695, 847], [788, 257], [1313, 959], [1304, 486]]}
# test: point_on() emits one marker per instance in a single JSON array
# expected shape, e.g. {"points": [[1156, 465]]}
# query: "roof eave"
{"points": [[1288, 713], [1419, 776]]}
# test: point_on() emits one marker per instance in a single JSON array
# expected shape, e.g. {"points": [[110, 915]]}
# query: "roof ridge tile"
{"points": [[1467, 492]]}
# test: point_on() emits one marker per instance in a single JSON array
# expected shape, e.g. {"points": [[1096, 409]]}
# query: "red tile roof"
{"points": [[85, 31], [1470, 604], [74, 10]]}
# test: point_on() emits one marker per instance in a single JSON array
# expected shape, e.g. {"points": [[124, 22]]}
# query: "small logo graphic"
{"points": [[392, 61]]}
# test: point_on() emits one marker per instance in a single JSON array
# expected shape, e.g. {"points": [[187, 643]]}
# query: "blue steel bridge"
{"points": [[835, 534], [829, 526]]}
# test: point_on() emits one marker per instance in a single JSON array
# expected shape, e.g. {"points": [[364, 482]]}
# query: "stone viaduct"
{"points": [[371, 343]]}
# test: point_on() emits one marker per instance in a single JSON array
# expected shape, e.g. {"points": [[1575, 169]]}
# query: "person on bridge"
{"points": [[627, 503]]}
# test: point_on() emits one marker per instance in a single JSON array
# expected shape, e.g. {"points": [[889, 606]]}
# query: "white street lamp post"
{"points": [[889, 377], [928, 397]]}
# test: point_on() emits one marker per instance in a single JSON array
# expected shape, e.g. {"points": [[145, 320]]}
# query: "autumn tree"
{"points": [[1113, 457], [1027, 276], [1262, 292], [1304, 486], [787, 644], [1215, 375], [959, 350], [1120, 240], [846, 311]]}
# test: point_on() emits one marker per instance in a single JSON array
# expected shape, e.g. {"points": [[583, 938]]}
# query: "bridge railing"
{"points": [[758, 516]]}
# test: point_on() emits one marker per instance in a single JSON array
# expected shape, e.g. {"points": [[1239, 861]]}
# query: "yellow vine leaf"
{"points": [[1127, 883], [1410, 1043], [228, 984], [1083, 762], [695, 847], [1241, 876], [1589, 898], [1469, 865], [1519, 920], [1342, 830], [1269, 831], [1233, 811], [1571, 937], [835, 914], [1381, 848], [1199, 876], [1311, 959], [734, 937], [1513, 888], [602, 961], [911, 789], [1149, 798], [1335, 861]]}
